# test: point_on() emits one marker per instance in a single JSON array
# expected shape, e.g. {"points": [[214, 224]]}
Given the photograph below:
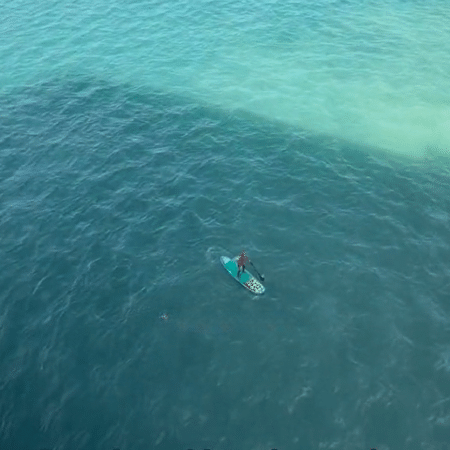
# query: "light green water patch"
{"points": [[374, 73], [376, 78]]}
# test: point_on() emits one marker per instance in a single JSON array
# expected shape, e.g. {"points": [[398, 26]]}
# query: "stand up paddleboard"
{"points": [[247, 279]]}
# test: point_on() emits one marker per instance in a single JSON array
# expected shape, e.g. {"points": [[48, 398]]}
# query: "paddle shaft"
{"points": [[256, 270]]}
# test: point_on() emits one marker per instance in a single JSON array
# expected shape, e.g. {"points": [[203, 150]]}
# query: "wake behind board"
{"points": [[247, 279]]}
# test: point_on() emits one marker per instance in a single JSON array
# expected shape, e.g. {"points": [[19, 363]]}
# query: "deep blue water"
{"points": [[115, 209]]}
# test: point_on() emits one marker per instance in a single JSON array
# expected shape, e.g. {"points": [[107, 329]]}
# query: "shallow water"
{"points": [[373, 73]]}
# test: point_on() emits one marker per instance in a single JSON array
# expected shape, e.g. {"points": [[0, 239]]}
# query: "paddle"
{"points": [[261, 277]]}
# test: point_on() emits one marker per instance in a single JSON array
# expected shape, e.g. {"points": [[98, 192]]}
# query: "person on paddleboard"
{"points": [[241, 263]]}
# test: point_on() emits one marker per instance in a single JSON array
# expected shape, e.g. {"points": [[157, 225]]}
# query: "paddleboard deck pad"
{"points": [[247, 279]]}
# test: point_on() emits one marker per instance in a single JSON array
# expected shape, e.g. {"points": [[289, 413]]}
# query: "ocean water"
{"points": [[140, 141]]}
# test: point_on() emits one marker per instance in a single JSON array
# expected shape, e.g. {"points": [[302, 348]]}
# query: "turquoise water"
{"points": [[139, 142], [374, 73]]}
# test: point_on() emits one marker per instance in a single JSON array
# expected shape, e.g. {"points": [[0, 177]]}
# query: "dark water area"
{"points": [[115, 207]]}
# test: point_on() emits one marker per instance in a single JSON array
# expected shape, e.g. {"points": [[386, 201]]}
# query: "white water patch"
{"points": [[373, 73]]}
